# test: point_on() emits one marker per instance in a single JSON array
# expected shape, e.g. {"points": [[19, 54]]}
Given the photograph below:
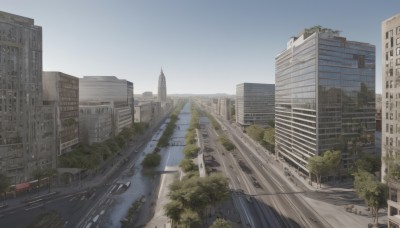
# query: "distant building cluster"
{"points": [[46, 114]]}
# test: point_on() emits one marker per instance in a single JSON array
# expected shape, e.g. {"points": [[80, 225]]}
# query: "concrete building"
{"points": [[62, 90], [119, 92], [391, 110], [225, 108], [391, 88], [106, 88], [255, 103], [148, 112], [143, 112], [162, 88], [95, 122], [325, 97], [23, 137], [394, 204], [122, 119], [147, 96]]}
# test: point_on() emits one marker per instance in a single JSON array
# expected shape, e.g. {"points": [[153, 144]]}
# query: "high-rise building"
{"points": [[23, 125], [391, 111], [62, 90], [325, 97], [119, 92], [255, 103], [162, 88]]}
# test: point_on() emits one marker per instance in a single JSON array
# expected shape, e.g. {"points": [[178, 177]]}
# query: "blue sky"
{"points": [[204, 46]]}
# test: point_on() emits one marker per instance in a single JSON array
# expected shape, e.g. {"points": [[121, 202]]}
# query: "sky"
{"points": [[203, 46]]}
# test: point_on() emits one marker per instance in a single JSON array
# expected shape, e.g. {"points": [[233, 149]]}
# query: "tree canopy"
{"points": [[4, 183], [220, 223], [324, 165], [372, 191], [192, 195]]}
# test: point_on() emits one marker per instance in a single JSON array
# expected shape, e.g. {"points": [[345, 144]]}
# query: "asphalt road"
{"points": [[272, 201], [75, 209]]}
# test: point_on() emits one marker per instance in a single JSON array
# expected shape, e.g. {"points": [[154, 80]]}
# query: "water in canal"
{"points": [[142, 184]]}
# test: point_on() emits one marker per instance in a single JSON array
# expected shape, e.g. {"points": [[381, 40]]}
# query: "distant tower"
{"points": [[162, 88]]}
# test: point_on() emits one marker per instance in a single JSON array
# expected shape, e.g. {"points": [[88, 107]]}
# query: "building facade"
{"points": [[391, 89], [325, 97], [22, 135], [122, 119], [162, 88], [95, 122], [148, 112], [110, 89], [255, 103], [391, 111], [106, 88], [225, 108], [62, 90]]}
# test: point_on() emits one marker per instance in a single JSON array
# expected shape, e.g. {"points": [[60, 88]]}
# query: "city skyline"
{"points": [[224, 42]]}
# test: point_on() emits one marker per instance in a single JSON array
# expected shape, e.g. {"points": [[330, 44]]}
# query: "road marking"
{"points": [[28, 209]]}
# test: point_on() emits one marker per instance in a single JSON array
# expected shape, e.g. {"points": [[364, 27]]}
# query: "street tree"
{"points": [[173, 210], [369, 163], [189, 219], [323, 165], [332, 160], [187, 165], [372, 191], [151, 160], [317, 166], [255, 132], [220, 223], [4, 184]]}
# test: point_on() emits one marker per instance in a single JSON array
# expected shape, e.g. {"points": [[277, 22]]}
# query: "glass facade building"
{"points": [[255, 103], [325, 97]]}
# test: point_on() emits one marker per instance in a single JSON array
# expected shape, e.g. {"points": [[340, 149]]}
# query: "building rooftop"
{"points": [[4, 16]]}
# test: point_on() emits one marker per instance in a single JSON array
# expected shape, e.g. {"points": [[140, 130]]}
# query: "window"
{"points": [[393, 210], [393, 196], [397, 51], [397, 41], [398, 61], [398, 30]]}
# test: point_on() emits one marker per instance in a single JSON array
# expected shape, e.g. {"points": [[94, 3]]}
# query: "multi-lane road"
{"points": [[83, 207], [262, 194]]}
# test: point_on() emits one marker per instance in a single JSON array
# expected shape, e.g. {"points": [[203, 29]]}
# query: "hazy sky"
{"points": [[204, 46]]}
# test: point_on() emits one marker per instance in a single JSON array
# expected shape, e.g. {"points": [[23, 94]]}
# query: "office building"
{"points": [[106, 88], [25, 131], [325, 97], [255, 104], [62, 90], [118, 92]]}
